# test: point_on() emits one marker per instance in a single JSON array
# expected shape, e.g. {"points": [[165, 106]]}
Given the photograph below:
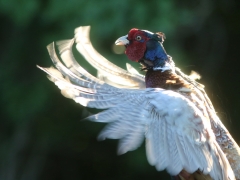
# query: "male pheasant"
{"points": [[170, 109]]}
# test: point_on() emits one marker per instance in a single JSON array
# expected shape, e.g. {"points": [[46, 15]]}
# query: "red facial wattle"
{"points": [[136, 49]]}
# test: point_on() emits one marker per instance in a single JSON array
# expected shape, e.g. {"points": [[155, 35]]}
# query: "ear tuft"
{"points": [[161, 36]]}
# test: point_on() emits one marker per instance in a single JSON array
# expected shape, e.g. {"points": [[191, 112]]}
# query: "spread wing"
{"points": [[177, 137]]}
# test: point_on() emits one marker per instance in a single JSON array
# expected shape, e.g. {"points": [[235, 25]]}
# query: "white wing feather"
{"points": [[177, 135]]}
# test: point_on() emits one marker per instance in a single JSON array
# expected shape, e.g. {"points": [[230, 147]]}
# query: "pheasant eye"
{"points": [[138, 38]]}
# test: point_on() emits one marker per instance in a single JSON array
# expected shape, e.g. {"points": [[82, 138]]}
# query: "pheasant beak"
{"points": [[122, 41]]}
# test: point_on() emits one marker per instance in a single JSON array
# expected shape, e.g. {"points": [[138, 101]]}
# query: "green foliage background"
{"points": [[41, 133]]}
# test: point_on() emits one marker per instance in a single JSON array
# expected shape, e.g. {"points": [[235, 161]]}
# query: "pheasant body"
{"points": [[173, 112]]}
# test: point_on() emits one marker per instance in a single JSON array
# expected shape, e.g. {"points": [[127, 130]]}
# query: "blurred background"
{"points": [[42, 134]]}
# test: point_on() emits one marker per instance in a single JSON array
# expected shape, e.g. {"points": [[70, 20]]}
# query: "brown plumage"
{"points": [[165, 80], [198, 175]]}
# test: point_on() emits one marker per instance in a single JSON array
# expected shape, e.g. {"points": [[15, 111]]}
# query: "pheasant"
{"points": [[171, 110]]}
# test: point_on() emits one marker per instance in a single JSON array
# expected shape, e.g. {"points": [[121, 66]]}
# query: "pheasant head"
{"points": [[146, 48]]}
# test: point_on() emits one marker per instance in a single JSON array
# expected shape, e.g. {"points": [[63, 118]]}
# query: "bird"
{"points": [[147, 48], [170, 110]]}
